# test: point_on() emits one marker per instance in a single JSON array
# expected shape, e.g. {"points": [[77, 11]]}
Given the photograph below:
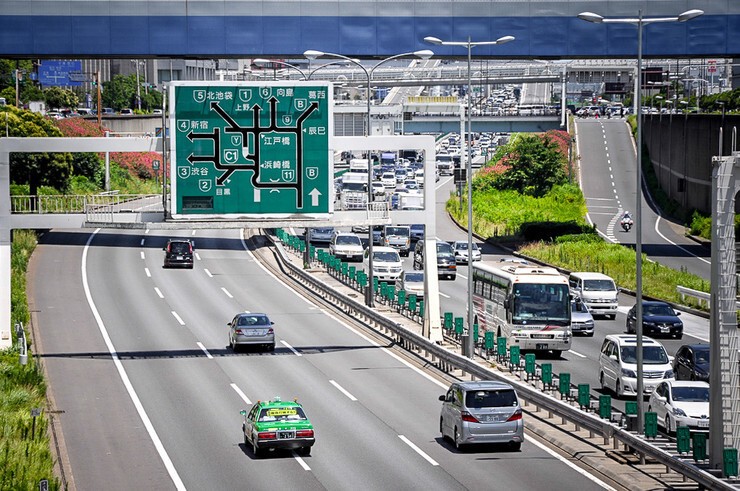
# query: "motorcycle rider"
{"points": [[626, 222]]}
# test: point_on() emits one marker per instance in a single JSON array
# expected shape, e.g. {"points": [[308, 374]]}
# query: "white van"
{"points": [[618, 364], [597, 291], [387, 265]]}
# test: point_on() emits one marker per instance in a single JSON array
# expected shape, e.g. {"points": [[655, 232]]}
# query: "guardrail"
{"points": [[702, 298], [111, 202], [447, 360]]}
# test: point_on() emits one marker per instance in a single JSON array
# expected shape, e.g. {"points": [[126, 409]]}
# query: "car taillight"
{"points": [[516, 416], [466, 416], [266, 435], [270, 331], [304, 434], [191, 248]]}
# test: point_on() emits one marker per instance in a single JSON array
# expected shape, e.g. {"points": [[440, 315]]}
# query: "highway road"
{"points": [[609, 181], [149, 395]]}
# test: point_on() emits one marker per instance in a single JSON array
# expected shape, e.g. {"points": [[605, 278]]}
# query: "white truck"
{"points": [[353, 194]]}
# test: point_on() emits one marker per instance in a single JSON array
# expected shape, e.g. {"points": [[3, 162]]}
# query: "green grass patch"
{"points": [[502, 213], [619, 262], [25, 456]]}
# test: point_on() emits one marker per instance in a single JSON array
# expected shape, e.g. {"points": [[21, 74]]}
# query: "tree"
{"points": [[120, 92], [59, 98], [535, 164], [36, 169]]}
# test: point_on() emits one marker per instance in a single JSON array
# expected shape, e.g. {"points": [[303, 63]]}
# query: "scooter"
{"points": [[626, 224]]}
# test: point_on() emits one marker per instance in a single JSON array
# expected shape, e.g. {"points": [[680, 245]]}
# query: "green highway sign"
{"points": [[251, 150]]}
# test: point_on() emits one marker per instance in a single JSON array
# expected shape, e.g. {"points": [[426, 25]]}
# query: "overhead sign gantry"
{"points": [[251, 150]]}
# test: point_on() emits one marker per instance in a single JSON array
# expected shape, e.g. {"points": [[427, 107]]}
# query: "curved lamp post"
{"points": [[639, 21], [468, 348], [313, 54]]}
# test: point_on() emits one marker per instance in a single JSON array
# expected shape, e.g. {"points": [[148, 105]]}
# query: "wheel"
{"points": [[612, 316], [306, 451], [601, 380], [441, 430], [246, 441], [515, 446], [618, 389], [679, 336], [271, 347], [668, 425], [591, 334], [556, 353], [458, 445], [629, 329]]}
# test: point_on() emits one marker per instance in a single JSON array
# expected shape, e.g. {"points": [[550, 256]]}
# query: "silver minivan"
{"points": [[597, 291], [481, 412]]}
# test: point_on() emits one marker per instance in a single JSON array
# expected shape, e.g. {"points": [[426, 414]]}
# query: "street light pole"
{"points": [[639, 22], [468, 342], [312, 55]]}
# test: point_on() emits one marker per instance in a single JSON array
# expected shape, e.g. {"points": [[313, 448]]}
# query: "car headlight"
{"points": [[589, 324], [677, 411], [629, 373], [678, 324], [650, 324], [668, 374]]}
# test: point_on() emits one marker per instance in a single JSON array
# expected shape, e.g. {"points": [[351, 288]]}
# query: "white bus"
{"points": [[528, 305]]}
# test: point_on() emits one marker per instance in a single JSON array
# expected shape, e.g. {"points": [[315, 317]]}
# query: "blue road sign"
{"points": [[57, 72]]}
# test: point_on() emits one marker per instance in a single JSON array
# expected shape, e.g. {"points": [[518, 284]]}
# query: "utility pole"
{"points": [[17, 89], [100, 110]]}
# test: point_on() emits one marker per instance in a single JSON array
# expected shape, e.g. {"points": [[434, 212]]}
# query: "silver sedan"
{"points": [[247, 329], [460, 249]]}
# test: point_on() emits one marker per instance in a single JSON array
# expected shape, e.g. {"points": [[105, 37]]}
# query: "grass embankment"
{"points": [[25, 456]]}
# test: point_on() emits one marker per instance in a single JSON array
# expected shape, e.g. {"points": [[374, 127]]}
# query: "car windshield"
{"points": [[598, 285], [541, 302], [323, 231], [414, 277], [386, 257], [702, 357], [657, 309], [179, 247], [396, 231], [691, 394], [253, 320], [578, 307], [444, 249], [651, 355], [348, 240], [293, 413], [463, 246], [478, 399]]}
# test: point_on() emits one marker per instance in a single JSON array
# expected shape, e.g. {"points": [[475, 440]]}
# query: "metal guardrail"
{"points": [[446, 360], [86, 203], [703, 298]]}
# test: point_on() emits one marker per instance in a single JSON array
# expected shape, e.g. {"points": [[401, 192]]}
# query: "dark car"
{"points": [[658, 318], [446, 264], [692, 362], [417, 231], [178, 253]]}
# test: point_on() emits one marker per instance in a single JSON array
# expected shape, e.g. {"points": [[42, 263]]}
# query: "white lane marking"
{"points": [[657, 224], [290, 348], [158, 292], [142, 255], [200, 345], [571, 351], [227, 292], [208, 273], [146, 231], [462, 276], [241, 394], [197, 256], [124, 376], [148, 273], [569, 464], [417, 450], [179, 319], [444, 295], [193, 232], [142, 241], [302, 462], [343, 390]]}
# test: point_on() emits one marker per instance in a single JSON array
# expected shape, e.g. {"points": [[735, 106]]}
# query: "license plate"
{"points": [[179, 258], [541, 346], [282, 435], [665, 329], [703, 423], [541, 336]]}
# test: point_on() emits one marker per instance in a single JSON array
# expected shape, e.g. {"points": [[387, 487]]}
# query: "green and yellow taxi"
{"points": [[277, 424]]}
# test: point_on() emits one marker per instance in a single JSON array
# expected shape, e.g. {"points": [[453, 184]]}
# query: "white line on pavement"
{"points": [[241, 394], [208, 273], [142, 255], [124, 376], [227, 292], [200, 345], [193, 232], [182, 323], [302, 462], [570, 464], [142, 241], [574, 352], [418, 450], [197, 256], [343, 390], [148, 273], [158, 292], [290, 348], [443, 295]]}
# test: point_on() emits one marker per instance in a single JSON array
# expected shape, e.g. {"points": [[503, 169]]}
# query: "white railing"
{"points": [[702, 298]]}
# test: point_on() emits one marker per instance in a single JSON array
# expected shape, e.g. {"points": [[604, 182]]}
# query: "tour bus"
{"points": [[529, 305]]}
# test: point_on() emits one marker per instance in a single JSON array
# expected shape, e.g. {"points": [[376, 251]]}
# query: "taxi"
{"points": [[277, 424]]}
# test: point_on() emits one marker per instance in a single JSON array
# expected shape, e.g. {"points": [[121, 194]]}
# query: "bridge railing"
{"points": [[94, 205]]}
